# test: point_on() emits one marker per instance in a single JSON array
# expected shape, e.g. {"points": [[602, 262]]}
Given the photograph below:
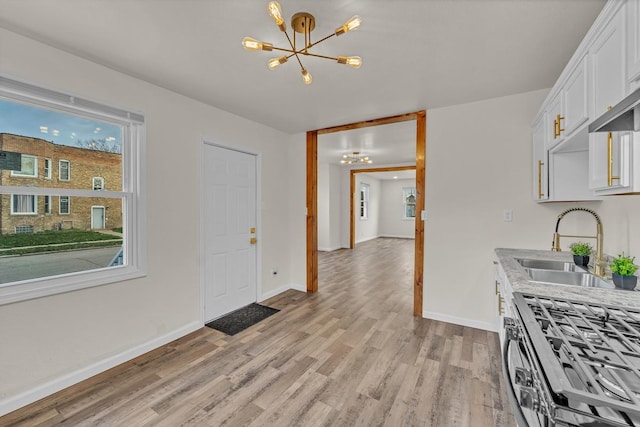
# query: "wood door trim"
{"points": [[352, 206], [312, 193], [312, 211], [370, 123]]}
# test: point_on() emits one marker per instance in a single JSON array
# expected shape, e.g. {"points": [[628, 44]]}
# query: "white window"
{"points": [[409, 196], [65, 170], [24, 204], [29, 167], [64, 205], [126, 200], [98, 183], [47, 168], [364, 201]]}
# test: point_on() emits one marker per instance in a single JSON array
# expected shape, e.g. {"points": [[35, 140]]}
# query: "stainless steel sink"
{"points": [[549, 265], [573, 278]]}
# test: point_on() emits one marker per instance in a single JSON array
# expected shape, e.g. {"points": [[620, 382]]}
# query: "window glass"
{"points": [[364, 201], [64, 170], [29, 167], [409, 202], [24, 204], [98, 183], [64, 205], [47, 168]]}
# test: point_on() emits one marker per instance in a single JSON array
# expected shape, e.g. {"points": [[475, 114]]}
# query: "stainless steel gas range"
{"points": [[570, 363]]}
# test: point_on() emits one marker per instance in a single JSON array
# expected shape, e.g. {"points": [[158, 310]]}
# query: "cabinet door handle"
{"points": [[610, 176], [497, 283], [555, 129], [500, 309], [540, 193], [560, 129]]}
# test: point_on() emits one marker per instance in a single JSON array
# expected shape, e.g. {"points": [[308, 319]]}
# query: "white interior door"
{"points": [[230, 256]]}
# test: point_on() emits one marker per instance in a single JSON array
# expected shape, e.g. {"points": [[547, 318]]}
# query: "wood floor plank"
{"points": [[350, 355]]}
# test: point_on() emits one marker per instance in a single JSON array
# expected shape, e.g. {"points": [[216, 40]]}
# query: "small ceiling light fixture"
{"points": [[302, 23], [349, 159]]}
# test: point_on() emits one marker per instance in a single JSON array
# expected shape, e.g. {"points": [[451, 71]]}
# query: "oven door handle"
{"points": [[511, 392]]}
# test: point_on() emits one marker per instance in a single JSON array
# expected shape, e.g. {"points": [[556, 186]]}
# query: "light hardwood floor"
{"points": [[350, 355]]}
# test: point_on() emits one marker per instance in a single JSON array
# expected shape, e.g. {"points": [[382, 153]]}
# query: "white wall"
{"points": [[57, 340], [392, 223], [329, 207], [367, 229]]}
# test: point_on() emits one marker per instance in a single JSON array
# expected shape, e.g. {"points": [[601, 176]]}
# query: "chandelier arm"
{"points": [[321, 40], [294, 49], [319, 56]]}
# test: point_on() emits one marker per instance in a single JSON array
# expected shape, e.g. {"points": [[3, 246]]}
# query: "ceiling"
{"points": [[416, 54]]}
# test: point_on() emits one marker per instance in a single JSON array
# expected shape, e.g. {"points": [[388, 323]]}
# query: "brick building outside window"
{"points": [[78, 168]]}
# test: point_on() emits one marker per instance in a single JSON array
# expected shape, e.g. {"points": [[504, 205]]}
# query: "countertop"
{"points": [[520, 282]]}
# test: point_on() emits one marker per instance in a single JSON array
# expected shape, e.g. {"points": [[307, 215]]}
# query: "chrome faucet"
{"points": [[599, 263]]}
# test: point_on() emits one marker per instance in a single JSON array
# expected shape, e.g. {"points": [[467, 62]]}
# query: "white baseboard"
{"points": [[281, 289], [366, 239], [329, 249], [23, 399], [460, 321], [393, 236]]}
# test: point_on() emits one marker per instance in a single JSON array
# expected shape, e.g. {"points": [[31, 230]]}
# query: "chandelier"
{"points": [[349, 159], [302, 23]]}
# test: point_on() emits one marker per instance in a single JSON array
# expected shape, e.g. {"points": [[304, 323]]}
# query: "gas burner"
{"points": [[614, 382], [592, 337]]}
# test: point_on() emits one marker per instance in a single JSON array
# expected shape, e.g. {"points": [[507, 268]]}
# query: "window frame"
{"points": [[18, 174], [97, 179], [406, 192], [35, 205], [133, 193], [363, 202], [47, 168], [68, 199], [60, 178], [46, 204]]}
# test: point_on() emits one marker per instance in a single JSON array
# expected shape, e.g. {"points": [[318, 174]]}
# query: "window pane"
{"points": [[93, 229], [23, 204], [64, 170], [59, 146], [29, 166]]}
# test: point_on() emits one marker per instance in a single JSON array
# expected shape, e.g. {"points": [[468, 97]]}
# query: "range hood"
{"points": [[624, 116]]}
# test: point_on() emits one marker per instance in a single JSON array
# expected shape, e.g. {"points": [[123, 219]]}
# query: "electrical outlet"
{"points": [[274, 271], [507, 215]]}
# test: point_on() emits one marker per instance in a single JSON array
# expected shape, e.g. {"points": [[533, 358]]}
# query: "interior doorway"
{"points": [[312, 198]]}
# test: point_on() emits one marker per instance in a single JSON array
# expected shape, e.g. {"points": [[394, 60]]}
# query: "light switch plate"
{"points": [[507, 215]]}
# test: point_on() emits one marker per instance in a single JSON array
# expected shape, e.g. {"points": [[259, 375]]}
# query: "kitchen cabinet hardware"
{"points": [[610, 176], [540, 165]]}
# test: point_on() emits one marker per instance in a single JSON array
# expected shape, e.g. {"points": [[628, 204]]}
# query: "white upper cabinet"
{"points": [[553, 121], [610, 153], [633, 41], [575, 96]]}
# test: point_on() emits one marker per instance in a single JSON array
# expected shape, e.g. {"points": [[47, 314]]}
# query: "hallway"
{"points": [[349, 355]]}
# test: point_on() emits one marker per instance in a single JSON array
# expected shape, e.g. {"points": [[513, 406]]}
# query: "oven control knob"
{"points": [[511, 329], [523, 377], [529, 398]]}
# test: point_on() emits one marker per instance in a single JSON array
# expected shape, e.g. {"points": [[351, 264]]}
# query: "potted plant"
{"points": [[623, 270], [581, 252]]}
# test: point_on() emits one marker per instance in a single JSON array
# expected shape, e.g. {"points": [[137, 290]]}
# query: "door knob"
{"points": [[253, 240]]}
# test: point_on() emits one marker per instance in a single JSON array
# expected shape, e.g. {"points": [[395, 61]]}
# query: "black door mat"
{"points": [[241, 319]]}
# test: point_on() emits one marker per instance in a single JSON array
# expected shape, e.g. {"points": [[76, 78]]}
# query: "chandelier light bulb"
{"points": [[351, 61], [251, 44], [275, 62], [352, 24], [275, 11], [306, 77]]}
